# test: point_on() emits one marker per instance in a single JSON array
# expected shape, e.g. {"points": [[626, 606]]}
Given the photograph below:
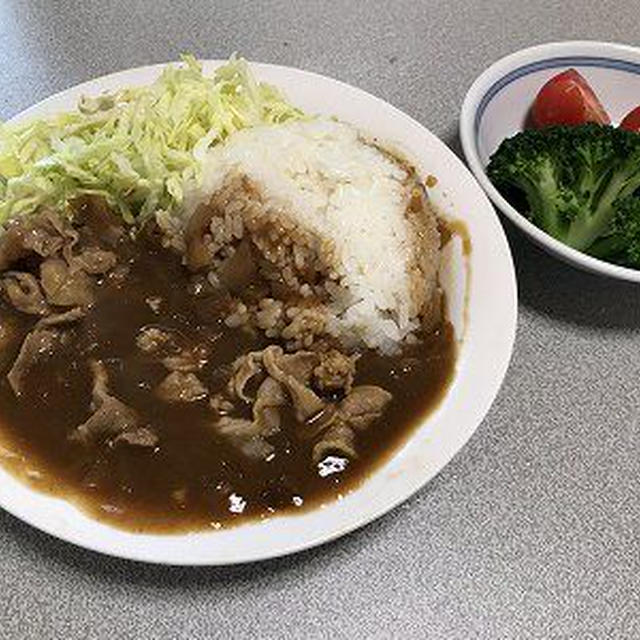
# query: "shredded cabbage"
{"points": [[137, 147]]}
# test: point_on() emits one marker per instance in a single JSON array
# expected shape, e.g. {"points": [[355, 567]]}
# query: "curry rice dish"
{"points": [[259, 353]]}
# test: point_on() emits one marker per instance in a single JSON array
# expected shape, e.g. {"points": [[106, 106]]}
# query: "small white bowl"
{"points": [[496, 107]]}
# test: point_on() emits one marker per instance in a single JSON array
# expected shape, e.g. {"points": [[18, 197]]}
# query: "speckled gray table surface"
{"points": [[532, 530]]}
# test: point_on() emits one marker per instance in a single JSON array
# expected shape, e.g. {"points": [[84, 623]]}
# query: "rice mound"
{"points": [[344, 224]]}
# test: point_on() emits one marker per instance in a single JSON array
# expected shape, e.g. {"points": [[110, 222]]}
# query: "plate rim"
{"points": [[419, 479]]}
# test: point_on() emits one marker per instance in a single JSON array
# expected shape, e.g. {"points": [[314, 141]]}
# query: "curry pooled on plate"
{"points": [[251, 338]]}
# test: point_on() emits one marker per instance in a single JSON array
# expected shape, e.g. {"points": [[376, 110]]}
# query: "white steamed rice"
{"points": [[333, 185]]}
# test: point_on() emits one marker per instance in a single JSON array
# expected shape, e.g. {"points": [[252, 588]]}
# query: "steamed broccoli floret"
{"points": [[529, 162], [571, 177]]}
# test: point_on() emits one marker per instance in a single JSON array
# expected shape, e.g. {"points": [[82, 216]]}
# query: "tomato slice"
{"points": [[631, 121], [567, 99]]}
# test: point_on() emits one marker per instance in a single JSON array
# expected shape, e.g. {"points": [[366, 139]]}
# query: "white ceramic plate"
{"points": [[496, 107], [489, 330]]}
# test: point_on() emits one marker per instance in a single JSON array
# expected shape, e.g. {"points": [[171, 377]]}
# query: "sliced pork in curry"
{"points": [[158, 395]]}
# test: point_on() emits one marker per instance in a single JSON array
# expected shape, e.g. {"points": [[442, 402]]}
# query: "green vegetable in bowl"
{"points": [[622, 243], [136, 147], [578, 184]]}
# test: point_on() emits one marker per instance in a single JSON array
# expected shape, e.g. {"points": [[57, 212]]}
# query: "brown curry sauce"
{"points": [[191, 479]]}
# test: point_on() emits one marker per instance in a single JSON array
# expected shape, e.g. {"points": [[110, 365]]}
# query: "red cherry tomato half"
{"points": [[567, 99], [631, 121]]}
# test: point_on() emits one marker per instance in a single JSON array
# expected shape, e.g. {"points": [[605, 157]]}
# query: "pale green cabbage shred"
{"points": [[136, 147]]}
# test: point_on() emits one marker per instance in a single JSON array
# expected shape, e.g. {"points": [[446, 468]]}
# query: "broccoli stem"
{"points": [[542, 198], [607, 247], [586, 229]]}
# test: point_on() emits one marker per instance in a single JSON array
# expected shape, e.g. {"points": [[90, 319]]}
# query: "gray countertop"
{"points": [[532, 530]]}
